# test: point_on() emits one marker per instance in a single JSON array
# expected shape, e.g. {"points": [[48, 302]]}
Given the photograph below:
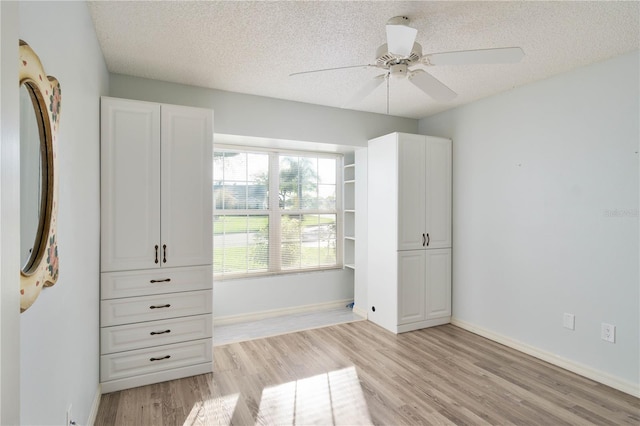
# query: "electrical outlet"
{"points": [[569, 321], [69, 418], [608, 332]]}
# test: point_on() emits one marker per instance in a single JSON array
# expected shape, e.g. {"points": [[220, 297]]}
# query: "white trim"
{"points": [[157, 377], [581, 369], [403, 328], [256, 316], [254, 142], [260, 149], [93, 413], [360, 312]]}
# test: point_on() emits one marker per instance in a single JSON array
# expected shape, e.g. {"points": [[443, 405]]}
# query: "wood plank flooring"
{"points": [[358, 373]]}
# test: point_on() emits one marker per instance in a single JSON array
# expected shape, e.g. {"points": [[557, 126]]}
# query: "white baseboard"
{"points": [[360, 312], [94, 407], [567, 364], [256, 316], [157, 377]]}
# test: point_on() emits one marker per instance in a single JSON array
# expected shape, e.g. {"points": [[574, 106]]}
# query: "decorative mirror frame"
{"points": [[45, 95]]}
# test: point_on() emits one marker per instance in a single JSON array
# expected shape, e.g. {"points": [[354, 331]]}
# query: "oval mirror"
{"points": [[39, 119], [33, 182]]}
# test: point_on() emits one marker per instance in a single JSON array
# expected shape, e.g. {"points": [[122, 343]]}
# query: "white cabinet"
{"points": [[155, 200], [156, 242], [129, 185], [186, 186], [409, 231], [424, 285], [424, 197]]}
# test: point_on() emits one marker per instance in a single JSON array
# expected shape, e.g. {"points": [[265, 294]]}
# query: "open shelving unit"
{"points": [[349, 191]]}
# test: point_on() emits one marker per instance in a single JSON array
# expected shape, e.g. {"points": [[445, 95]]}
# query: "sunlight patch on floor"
{"points": [[221, 409], [333, 398]]}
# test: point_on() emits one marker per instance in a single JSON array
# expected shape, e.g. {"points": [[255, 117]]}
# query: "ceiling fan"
{"points": [[401, 54]]}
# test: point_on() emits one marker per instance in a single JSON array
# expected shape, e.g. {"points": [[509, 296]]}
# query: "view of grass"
{"points": [[239, 224], [234, 259], [246, 246], [244, 224]]}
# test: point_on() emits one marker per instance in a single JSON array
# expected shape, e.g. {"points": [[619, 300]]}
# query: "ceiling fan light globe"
{"points": [[400, 39]]}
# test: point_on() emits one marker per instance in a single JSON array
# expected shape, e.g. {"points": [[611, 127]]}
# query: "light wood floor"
{"points": [[358, 373]]}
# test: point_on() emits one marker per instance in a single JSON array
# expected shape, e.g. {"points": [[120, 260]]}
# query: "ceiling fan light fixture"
{"points": [[400, 39]]}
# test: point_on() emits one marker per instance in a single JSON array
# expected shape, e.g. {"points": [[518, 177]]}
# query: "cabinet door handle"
{"points": [[164, 253], [156, 253], [166, 280], [159, 306], [424, 241], [153, 333], [160, 359], [428, 239]]}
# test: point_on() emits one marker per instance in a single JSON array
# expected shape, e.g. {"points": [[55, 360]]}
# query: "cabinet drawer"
{"points": [[147, 334], [154, 281], [151, 360], [149, 308]]}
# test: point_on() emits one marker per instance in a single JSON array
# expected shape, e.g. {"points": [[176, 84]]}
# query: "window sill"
{"points": [[230, 277]]}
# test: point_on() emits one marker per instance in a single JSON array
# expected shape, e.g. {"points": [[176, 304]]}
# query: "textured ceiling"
{"points": [[252, 47]]}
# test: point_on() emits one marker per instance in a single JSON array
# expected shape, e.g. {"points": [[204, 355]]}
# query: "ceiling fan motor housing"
{"points": [[398, 71], [385, 59]]}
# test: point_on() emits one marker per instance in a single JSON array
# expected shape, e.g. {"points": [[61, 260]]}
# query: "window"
{"points": [[274, 212]]}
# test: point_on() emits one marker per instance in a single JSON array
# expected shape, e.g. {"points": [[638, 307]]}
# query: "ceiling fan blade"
{"points": [[400, 39], [431, 86], [503, 55], [332, 69], [365, 90]]}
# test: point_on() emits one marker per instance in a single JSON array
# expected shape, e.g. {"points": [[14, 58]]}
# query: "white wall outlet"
{"points": [[608, 332], [569, 321]]}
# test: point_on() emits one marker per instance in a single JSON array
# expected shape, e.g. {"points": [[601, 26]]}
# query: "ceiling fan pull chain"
{"points": [[387, 94]]}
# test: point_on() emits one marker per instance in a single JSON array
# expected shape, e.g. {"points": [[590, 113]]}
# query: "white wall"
{"points": [[545, 214], [9, 217], [248, 115], [59, 346], [255, 116], [250, 296]]}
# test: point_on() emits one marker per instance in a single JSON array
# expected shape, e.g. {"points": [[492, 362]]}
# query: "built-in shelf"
{"points": [[349, 185]]}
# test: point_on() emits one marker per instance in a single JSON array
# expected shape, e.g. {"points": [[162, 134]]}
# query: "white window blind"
{"points": [[275, 212]]}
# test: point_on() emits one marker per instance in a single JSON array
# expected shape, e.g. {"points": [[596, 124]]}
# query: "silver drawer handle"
{"points": [[159, 306], [166, 280], [153, 333], [160, 359]]}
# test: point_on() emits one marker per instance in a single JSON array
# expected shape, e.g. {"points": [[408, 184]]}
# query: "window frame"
{"points": [[275, 213]]}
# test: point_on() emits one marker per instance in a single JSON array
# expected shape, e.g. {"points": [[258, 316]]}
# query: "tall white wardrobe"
{"points": [[156, 242], [409, 231]]}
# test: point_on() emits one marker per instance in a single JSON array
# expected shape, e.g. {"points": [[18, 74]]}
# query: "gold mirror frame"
{"points": [[42, 270]]}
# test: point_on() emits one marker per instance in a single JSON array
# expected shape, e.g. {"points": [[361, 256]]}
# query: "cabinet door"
{"points": [[438, 283], [411, 191], [438, 193], [187, 185], [411, 286], [130, 184]]}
